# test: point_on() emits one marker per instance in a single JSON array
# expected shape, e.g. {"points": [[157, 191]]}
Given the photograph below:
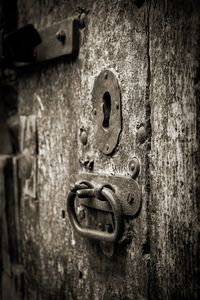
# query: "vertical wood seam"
{"points": [[146, 247]]}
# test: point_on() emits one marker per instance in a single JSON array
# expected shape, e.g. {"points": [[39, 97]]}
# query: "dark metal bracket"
{"points": [[59, 40], [27, 45], [126, 189], [103, 195]]}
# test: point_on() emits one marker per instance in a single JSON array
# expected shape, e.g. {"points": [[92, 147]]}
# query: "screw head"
{"points": [[101, 226], [109, 228], [141, 134], [83, 20], [134, 167], [61, 36], [83, 137]]}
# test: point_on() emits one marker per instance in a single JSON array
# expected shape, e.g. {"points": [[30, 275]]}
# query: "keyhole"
{"points": [[106, 109]]}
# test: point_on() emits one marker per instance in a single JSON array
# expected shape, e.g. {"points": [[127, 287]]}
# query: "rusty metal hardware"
{"points": [[85, 189], [123, 186], [59, 39], [141, 133], [27, 45], [119, 196], [134, 167], [106, 98], [83, 136]]}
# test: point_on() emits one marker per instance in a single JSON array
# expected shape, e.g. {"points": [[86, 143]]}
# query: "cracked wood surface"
{"points": [[175, 158]]}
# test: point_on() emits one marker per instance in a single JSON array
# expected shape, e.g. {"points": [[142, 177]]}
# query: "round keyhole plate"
{"points": [[106, 99]]}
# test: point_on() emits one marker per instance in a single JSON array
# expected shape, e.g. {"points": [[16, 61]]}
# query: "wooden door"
{"points": [[152, 48]]}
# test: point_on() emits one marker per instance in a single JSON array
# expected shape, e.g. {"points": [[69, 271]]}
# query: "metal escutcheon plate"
{"points": [[106, 100]]}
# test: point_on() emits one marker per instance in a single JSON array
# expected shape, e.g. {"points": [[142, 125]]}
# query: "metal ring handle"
{"points": [[114, 236]]}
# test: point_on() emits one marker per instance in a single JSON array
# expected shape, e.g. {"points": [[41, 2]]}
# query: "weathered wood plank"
{"points": [[29, 204], [5, 285], [11, 276], [64, 265], [11, 264], [175, 160]]}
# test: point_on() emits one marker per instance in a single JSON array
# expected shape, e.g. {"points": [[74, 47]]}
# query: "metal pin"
{"points": [[61, 36], [86, 193]]}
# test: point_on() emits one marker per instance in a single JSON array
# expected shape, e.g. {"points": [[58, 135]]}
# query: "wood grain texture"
{"points": [[153, 49], [11, 268], [5, 278], [60, 264], [12, 271], [174, 97]]}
